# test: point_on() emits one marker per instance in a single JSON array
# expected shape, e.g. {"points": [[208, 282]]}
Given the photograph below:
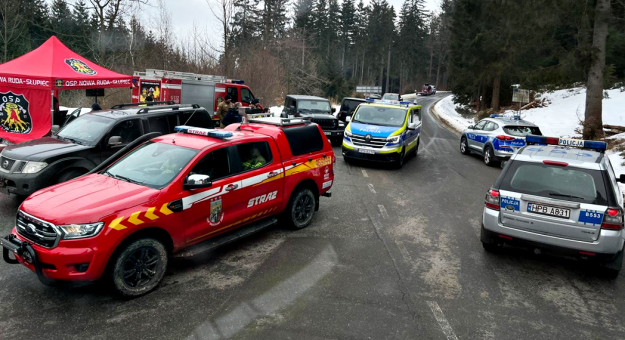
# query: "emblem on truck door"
{"points": [[216, 213]]}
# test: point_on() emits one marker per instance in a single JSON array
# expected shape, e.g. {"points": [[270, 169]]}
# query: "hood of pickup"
{"points": [[41, 149], [373, 130], [86, 199]]}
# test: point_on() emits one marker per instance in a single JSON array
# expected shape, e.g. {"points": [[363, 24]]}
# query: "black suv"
{"points": [[348, 106], [320, 112], [86, 141]]}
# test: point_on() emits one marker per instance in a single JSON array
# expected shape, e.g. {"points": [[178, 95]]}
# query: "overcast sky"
{"points": [[187, 12]]}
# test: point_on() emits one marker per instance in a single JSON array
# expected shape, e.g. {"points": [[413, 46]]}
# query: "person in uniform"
{"points": [[256, 160], [223, 108]]}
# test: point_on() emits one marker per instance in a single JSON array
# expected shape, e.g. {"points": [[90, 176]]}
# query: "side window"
{"points": [[172, 121], [415, 116], [304, 139], [254, 155], [197, 118], [246, 96], [612, 176], [216, 164], [480, 125], [234, 93], [159, 124], [490, 126], [128, 130]]}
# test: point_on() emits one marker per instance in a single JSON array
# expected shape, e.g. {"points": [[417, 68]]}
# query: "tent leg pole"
{"points": [[52, 108]]}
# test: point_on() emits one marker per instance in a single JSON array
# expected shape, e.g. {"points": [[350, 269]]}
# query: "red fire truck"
{"points": [[188, 88]]}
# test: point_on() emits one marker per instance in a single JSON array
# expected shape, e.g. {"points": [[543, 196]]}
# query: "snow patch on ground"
{"points": [[446, 110]]}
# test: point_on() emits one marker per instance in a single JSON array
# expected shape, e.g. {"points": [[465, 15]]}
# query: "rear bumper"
{"points": [[76, 260], [609, 242]]}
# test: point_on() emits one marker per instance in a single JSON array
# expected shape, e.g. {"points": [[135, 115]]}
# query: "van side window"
{"points": [[234, 93], [246, 96]]}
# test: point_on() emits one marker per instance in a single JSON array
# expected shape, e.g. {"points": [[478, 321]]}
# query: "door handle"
{"points": [[272, 174], [231, 187]]}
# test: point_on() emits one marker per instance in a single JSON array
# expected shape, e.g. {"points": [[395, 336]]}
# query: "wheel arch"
{"points": [[154, 232], [312, 185]]}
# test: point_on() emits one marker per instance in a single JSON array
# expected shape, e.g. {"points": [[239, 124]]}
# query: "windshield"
{"points": [[313, 105], [565, 183], [152, 164], [522, 131], [391, 96], [86, 129], [350, 105], [387, 116]]}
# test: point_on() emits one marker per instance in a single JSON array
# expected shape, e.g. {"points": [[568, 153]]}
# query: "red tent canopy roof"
{"points": [[54, 66]]}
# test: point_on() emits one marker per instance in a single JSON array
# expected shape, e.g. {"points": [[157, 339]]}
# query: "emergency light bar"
{"points": [[370, 100], [203, 132], [515, 117], [577, 143]]}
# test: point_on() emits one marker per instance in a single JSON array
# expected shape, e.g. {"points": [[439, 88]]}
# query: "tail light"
{"points": [[502, 137], [492, 199], [556, 163], [613, 219]]}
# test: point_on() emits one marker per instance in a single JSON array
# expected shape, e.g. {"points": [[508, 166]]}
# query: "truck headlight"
{"points": [[33, 167], [393, 139], [74, 231]]}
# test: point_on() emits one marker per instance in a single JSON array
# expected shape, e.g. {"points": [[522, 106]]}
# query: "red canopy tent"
{"points": [[28, 84]]}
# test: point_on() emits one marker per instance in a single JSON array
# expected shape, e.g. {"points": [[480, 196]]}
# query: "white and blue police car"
{"points": [[558, 195], [497, 137]]}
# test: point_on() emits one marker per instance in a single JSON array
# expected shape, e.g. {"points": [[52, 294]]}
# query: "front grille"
{"points": [[38, 231], [6, 163], [374, 142], [326, 123]]}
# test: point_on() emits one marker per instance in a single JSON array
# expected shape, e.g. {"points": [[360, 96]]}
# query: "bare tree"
{"points": [[11, 22], [223, 11]]}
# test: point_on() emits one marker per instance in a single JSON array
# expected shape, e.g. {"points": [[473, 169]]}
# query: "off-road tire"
{"points": [[140, 254], [301, 209]]}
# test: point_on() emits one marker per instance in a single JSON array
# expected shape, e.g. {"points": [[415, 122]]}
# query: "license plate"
{"points": [[548, 210], [328, 133], [371, 152]]}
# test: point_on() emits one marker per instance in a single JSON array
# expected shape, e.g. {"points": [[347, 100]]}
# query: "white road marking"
{"points": [[383, 211], [442, 321], [364, 173], [371, 188]]}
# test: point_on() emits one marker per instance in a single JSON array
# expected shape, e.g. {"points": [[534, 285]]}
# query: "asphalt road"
{"points": [[394, 254]]}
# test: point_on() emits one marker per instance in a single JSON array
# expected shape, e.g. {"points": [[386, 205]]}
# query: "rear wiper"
{"points": [[564, 195]]}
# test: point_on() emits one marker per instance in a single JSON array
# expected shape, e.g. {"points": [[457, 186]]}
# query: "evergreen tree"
{"points": [[347, 21]]}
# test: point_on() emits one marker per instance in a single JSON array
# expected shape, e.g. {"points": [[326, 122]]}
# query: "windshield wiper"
{"points": [[564, 195], [72, 140], [129, 180]]}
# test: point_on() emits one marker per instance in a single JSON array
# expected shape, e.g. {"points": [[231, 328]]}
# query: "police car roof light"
{"points": [[404, 103], [580, 143], [203, 132], [370, 100], [496, 116]]}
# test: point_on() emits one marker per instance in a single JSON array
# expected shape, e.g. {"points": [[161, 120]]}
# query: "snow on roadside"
{"points": [[566, 109], [446, 111], [276, 110]]}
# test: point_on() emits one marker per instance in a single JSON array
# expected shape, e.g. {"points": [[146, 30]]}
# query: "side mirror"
{"points": [[470, 127], [348, 118], [412, 126], [197, 181], [55, 129], [115, 140], [621, 178]]}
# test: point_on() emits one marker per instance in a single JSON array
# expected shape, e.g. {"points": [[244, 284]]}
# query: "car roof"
{"points": [[354, 98], [199, 142], [581, 158], [386, 105], [301, 96], [134, 111], [508, 121]]}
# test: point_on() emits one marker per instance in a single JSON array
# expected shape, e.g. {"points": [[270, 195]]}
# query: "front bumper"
{"points": [[384, 155], [71, 260], [24, 184], [338, 133], [609, 242]]}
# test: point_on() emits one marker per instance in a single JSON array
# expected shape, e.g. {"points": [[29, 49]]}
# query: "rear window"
{"points": [[304, 139], [565, 183], [350, 105], [522, 131]]}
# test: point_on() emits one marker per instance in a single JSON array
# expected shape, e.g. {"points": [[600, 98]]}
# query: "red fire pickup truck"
{"points": [[178, 194]]}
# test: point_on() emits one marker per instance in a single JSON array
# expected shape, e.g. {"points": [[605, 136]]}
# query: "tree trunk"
{"points": [[438, 72], [382, 73], [593, 124], [362, 72], [388, 70], [430, 69], [496, 90]]}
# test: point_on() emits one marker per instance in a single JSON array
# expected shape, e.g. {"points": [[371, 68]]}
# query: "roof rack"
{"points": [[164, 107], [119, 106], [153, 73], [279, 121]]}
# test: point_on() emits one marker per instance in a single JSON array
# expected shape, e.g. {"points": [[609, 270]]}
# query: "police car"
{"points": [[559, 195], [179, 194], [497, 137], [383, 131]]}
